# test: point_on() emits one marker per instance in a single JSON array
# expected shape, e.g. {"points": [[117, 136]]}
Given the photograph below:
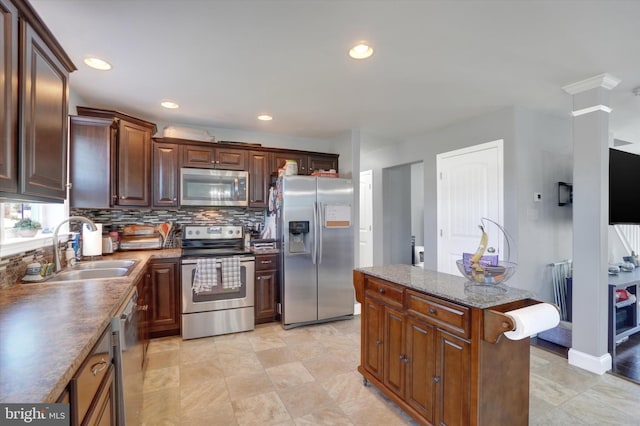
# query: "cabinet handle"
{"points": [[378, 342], [405, 360], [143, 307], [258, 278], [175, 199], [436, 379], [265, 262], [381, 291], [98, 367], [432, 311], [123, 197], [402, 357]]}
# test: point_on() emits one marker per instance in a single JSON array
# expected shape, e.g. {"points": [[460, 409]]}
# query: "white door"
{"points": [[366, 218], [469, 188]]}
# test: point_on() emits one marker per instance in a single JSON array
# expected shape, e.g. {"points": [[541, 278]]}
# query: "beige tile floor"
{"points": [[307, 376]]}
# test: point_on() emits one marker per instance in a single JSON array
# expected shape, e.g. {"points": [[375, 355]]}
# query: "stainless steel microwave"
{"points": [[210, 187]]}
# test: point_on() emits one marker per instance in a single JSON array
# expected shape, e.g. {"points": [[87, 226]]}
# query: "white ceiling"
{"points": [[435, 62]]}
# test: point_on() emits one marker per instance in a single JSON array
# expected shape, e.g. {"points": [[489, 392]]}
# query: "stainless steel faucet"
{"points": [[56, 249]]}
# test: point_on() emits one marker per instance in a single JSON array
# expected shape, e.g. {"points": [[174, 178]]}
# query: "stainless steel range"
{"points": [[217, 281]]}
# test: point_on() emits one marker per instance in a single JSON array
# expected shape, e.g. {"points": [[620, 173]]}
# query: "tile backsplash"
{"points": [[13, 267]]}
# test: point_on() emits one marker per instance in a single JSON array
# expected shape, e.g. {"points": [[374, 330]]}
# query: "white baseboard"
{"points": [[357, 309], [595, 364]]}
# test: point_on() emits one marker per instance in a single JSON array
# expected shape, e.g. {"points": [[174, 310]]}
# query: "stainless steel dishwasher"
{"points": [[128, 361]]}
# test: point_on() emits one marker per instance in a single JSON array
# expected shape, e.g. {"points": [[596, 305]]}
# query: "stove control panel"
{"points": [[211, 232]]}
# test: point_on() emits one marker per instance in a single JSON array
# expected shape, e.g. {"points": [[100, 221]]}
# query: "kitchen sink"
{"points": [[89, 274], [104, 264], [95, 270]]}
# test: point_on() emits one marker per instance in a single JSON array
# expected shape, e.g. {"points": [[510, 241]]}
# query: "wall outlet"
{"points": [[537, 197]]}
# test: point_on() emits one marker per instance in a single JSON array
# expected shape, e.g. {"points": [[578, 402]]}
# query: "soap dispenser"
{"points": [[70, 254]]}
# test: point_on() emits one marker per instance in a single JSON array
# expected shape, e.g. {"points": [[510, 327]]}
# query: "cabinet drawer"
{"points": [[87, 381], [446, 315], [383, 291], [265, 262]]}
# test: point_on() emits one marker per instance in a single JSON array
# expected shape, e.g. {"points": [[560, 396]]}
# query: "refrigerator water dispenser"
{"points": [[297, 235]]}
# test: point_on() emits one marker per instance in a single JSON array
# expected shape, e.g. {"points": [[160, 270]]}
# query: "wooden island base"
{"points": [[435, 358]]}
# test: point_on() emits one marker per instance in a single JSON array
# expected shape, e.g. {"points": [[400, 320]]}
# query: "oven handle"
{"points": [[193, 260]]}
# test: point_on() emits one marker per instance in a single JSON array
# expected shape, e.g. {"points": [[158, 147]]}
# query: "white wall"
{"points": [[527, 135], [396, 184], [417, 202]]}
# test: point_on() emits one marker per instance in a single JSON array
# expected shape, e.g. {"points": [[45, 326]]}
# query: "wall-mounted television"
{"points": [[624, 179]]}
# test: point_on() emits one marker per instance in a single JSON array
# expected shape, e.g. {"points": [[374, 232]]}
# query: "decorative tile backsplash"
{"points": [[13, 267]]}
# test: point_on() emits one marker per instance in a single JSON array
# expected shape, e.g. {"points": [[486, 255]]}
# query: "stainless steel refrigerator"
{"points": [[315, 227]]}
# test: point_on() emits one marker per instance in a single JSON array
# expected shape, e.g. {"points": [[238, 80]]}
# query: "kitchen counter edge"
{"points": [[51, 361], [451, 287]]}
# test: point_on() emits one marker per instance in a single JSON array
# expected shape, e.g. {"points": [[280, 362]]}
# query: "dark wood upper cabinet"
{"points": [[34, 91], [119, 148], [134, 164], [325, 162], [278, 159], [165, 174], [9, 97], [209, 157], [92, 147], [259, 176]]}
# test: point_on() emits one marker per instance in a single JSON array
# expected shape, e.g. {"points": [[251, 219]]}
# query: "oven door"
{"points": [[208, 187], [218, 298]]}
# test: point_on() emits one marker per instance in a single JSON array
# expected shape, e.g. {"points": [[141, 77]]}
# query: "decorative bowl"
{"points": [[489, 275]]}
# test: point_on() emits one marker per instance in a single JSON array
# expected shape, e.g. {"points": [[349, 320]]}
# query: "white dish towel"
{"points": [[206, 276], [231, 273]]}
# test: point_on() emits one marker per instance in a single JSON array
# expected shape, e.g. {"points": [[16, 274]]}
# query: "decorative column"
{"points": [[590, 222]]}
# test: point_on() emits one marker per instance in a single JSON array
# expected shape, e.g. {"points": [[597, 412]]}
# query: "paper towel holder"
{"points": [[497, 323]]}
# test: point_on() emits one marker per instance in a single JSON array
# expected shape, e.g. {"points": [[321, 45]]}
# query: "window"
{"points": [[45, 217]]}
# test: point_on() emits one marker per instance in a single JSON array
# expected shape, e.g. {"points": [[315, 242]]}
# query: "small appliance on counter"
{"points": [[140, 237]]}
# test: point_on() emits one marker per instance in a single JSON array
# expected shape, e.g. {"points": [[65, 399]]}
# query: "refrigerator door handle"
{"points": [[319, 225], [314, 247]]}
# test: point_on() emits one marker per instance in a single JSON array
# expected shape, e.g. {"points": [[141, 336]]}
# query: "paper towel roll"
{"points": [[91, 240], [532, 319]]}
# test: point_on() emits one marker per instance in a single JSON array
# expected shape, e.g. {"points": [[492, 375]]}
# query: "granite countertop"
{"points": [[454, 288], [48, 329]]}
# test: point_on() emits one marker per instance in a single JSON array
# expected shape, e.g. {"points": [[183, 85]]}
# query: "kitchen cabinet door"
{"points": [[265, 296], [134, 165], [165, 174], [231, 159], [453, 377], [372, 338], [9, 97], [198, 156], [165, 300], [394, 350], [322, 162], [92, 146], [279, 158], [259, 177], [420, 361], [45, 93]]}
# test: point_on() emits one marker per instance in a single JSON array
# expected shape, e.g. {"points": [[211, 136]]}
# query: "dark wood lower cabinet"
{"points": [[430, 357], [164, 303], [266, 288]]}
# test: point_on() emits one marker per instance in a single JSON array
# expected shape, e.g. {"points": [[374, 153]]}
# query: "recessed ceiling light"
{"points": [[265, 117], [97, 63], [361, 51], [169, 104]]}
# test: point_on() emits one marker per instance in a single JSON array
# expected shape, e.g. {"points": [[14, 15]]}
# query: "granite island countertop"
{"points": [[48, 329], [454, 288]]}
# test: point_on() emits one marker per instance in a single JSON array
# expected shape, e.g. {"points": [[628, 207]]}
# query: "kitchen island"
{"points": [[48, 329], [433, 344]]}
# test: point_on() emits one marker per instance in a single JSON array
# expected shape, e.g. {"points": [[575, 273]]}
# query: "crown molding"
{"points": [[606, 81]]}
